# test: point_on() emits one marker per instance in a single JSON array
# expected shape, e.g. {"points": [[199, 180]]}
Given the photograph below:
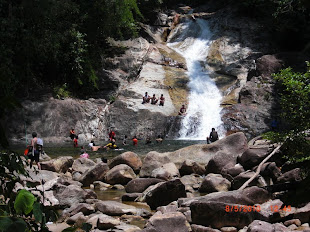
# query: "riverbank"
{"points": [[165, 190]]}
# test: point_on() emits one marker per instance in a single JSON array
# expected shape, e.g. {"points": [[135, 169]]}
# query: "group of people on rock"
{"points": [[153, 100]]}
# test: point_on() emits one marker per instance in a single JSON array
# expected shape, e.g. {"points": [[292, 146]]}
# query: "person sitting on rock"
{"points": [[146, 98], [161, 100], [182, 111], [154, 100], [213, 136], [111, 145]]}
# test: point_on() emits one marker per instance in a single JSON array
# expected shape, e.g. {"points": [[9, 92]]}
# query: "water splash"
{"points": [[203, 111]]}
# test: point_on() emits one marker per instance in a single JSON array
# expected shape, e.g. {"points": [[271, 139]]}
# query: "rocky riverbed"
{"points": [[195, 188]]}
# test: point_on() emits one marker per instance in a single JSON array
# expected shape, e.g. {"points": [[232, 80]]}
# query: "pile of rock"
{"points": [[172, 185]]}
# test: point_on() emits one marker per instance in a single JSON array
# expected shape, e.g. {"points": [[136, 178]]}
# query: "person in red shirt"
{"points": [[75, 141], [112, 135], [135, 141]]}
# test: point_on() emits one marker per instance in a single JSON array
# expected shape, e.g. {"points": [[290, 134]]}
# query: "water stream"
{"points": [[192, 40]]}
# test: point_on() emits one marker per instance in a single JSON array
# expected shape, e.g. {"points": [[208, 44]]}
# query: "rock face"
{"points": [[164, 193]]}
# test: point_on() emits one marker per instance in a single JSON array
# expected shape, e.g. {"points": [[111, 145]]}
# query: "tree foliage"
{"points": [[294, 90]]}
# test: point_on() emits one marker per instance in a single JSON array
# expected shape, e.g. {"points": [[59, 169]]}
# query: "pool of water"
{"points": [[67, 149]]}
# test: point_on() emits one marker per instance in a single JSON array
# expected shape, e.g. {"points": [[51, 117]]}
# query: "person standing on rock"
{"points": [[161, 100], [72, 134], [213, 136], [35, 154], [75, 141]]}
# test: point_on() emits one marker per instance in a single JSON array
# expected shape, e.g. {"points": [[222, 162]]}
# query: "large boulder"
{"points": [[164, 193], [171, 221], [138, 185], [61, 164], [82, 165], [214, 183], [166, 172], [94, 174], [120, 174], [129, 158], [84, 208], [189, 166], [220, 162], [70, 195], [39, 177], [220, 209], [152, 161], [253, 156]]}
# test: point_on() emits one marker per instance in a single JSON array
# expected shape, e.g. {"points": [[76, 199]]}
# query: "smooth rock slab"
{"points": [[61, 164]]}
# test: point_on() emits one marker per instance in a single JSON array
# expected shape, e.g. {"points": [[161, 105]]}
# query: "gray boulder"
{"points": [[70, 195], [129, 158], [214, 183], [114, 208], [59, 165], [84, 208], [290, 176], [120, 174], [262, 226], [82, 165], [239, 180], [172, 221], [138, 185], [164, 193], [96, 173], [200, 228], [253, 156], [189, 166], [103, 222], [77, 219], [152, 161]]}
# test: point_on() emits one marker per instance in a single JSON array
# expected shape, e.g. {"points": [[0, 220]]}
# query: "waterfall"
{"points": [[192, 40]]}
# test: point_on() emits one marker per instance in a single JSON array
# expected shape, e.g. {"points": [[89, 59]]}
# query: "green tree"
{"points": [[294, 90]]}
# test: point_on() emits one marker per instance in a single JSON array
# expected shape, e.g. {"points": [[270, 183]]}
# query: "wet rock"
{"points": [[129, 158], [253, 156], [103, 222], [131, 196], [138, 185], [214, 183], [173, 221], [189, 166], [120, 174], [152, 161], [82, 165], [61, 164], [164, 193], [96, 173], [290, 176]]}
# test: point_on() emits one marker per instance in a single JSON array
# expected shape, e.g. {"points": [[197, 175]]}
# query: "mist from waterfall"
{"points": [[192, 41]]}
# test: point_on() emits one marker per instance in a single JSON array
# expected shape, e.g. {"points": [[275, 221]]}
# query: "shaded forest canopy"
{"points": [[59, 44]]}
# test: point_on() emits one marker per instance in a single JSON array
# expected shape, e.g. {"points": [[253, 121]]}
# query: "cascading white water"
{"points": [[203, 111]]}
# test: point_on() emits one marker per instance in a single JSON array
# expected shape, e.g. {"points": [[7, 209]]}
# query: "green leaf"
{"points": [[24, 202], [5, 223], [37, 212]]}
